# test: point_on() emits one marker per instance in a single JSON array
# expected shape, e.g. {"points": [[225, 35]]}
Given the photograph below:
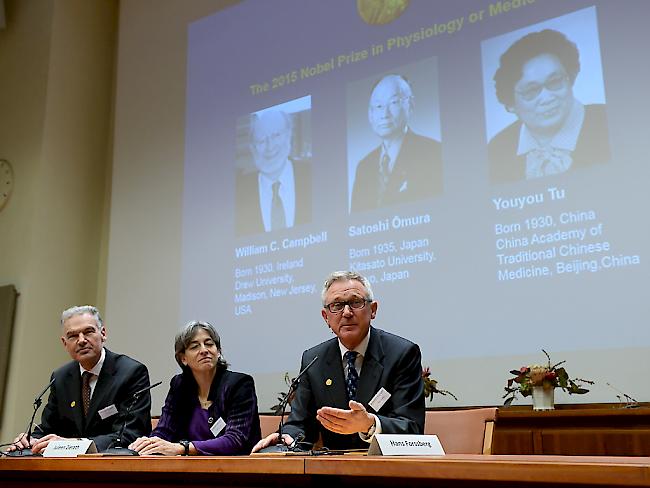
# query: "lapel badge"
{"points": [[72, 403], [328, 382], [210, 420]]}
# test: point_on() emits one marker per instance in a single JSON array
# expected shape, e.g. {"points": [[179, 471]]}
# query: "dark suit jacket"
{"points": [[417, 174], [233, 399], [592, 147], [391, 362], [118, 380], [248, 218]]}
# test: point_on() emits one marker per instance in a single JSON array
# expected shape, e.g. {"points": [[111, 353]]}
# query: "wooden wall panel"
{"points": [[8, 297], [598, 430]]}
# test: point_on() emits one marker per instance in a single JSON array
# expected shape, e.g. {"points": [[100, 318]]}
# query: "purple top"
{"points": [[233, 400], [200, 429]]}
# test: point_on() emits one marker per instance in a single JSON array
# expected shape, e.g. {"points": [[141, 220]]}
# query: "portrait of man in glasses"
{"points": [[554, 131], [276, 193], [364, 381], [405, 166]]}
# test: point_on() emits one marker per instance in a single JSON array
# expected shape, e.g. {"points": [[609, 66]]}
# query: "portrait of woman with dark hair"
{"points": [[554, 131]]}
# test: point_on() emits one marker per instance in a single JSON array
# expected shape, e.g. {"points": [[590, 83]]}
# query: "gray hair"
{"points": [[186, 335], [404, 84], [288, 122], [346, 276], [81, 310]]}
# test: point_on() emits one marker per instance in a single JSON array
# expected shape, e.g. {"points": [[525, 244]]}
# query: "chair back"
{"points": [[462, 431], [269, 424]]}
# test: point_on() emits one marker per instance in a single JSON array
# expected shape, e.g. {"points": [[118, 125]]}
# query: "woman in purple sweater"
{"points": [[209, 410]]}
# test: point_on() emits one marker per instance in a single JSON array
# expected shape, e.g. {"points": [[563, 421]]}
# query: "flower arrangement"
{"points": [[282, 396], [547, 376], [431, 386]]}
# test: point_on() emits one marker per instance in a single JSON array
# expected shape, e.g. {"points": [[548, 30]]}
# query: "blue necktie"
{"points": [[352, 376]]}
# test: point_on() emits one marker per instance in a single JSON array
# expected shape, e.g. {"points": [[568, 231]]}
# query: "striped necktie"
{"points": [[85, 390], [384, 174], [352, 379]]}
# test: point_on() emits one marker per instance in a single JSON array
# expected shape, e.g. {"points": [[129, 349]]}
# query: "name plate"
{"points": [[70, 448], [405, 445]]}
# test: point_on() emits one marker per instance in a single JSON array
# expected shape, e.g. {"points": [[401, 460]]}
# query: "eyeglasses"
{"points": [[273, 138], [355, 304], [555, 83], [392, 104]]}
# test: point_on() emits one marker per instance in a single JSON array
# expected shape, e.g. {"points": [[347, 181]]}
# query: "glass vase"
{"points": [[543, 398]]}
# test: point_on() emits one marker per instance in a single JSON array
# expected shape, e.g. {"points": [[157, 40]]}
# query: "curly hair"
{"points": [[528, 47]]}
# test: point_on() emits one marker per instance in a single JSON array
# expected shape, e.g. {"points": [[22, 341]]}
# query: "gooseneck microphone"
{"points": [[630, 402], [116, 448], [27, 451], [281, 446], [37, 404], [137, 394]]}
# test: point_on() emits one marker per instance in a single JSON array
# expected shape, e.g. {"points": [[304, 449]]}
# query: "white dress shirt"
{"points": [[95, 371]]}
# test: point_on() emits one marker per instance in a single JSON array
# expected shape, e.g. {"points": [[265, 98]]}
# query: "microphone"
{"points": [[630, 401], [281, 446], [145, 390], [116, 448], [38, 399], [27, 451]]}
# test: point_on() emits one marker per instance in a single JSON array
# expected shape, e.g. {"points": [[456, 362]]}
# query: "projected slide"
{"points": [[483, 163]]}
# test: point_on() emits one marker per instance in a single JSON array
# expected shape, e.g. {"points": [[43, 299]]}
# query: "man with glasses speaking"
{"points": [[406, 166], [363, 382], [554, 132]]}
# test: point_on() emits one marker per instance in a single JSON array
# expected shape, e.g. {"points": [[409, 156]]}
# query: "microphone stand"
{"points": [[630, 402], [116, 448], [281, 446], [27, 451]]}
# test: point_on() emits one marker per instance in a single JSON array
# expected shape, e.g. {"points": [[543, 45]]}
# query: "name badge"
{"points": [[217, 427], [405, 445], [69, 448], [379, 399], [109, 411]]}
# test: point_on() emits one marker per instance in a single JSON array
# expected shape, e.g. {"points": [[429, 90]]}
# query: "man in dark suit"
{"points": [[278, 195], [555, 132], [90, 393], [406, 166], [365, 381]]}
